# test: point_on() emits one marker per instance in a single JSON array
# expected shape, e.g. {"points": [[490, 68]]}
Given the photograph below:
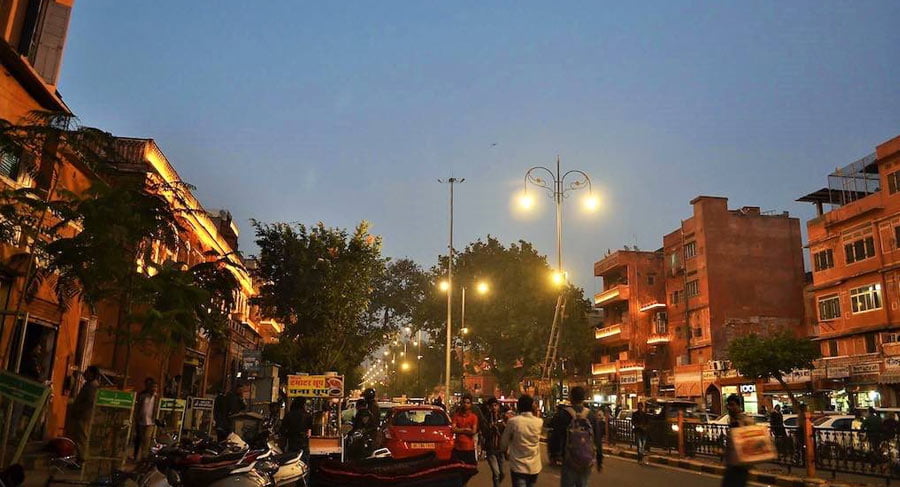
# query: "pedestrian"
{"points": [[776, 425], [575, 440], [440, 403], [296, 428], [891, 426], [736, 474], [144, 418], [640, 426], [82, 409], [521, 441], [363, 419], [873, 427], [227, 405], [492, 432], [465, 427]]}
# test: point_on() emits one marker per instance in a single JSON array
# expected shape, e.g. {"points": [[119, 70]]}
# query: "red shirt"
{"points": [[465, 441]]}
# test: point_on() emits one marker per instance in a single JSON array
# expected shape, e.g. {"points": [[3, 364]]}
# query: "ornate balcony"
{"points": [[659, 339]]}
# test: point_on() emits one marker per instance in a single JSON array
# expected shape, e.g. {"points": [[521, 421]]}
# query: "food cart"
{"points": [[109, 432], [22, 402], [170, 415], [325, 392], [198, 419]]}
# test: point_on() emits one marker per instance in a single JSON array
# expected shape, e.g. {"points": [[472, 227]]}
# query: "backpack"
{"points": [[580, 450]]}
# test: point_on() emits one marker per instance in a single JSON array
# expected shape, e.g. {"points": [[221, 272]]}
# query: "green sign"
{"points": [[20, 389], [171, 404], [114, 399]]}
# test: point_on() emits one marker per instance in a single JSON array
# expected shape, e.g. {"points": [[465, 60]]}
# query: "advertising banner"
{"points": [[315, 386]]}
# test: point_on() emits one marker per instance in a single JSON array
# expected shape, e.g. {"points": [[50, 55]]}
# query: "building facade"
{"points": [[854, 246], [630, 342], [722, 273]]}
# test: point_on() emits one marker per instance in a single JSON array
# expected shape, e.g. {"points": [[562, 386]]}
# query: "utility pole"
{"points": [[451, 182]]}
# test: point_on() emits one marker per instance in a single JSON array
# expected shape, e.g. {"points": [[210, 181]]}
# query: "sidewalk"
{"points": [[769, 474]]}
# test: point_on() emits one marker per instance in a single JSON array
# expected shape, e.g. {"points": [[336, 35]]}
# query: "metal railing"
{"points": [[706, 439], [620, 431], [858, 452]]}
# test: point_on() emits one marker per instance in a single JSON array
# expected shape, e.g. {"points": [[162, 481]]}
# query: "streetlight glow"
{"points": [[482, 287], [526, 201], [591, 202], [464, 331], [559, 278], [444, 286], [404, 366]]}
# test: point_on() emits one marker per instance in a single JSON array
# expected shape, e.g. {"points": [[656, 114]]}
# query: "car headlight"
{"points": [[675, 428]]}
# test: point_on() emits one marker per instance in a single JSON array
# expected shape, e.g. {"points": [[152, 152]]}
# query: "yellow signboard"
{"points": [[315, 386]]}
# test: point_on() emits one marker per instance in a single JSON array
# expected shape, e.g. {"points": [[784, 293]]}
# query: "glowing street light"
{"points": [[558, 278], [526, 201], [591, 202], [482, 287], [404, 366], [444, 286]]}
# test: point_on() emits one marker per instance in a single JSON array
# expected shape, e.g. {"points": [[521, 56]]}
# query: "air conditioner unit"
{"points": [[717, 365]]}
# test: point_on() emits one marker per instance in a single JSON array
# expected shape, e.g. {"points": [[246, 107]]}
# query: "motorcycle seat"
{"points": [[207, 474], [230, 457], [286, 458]]}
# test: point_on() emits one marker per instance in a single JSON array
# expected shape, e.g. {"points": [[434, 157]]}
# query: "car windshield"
{"points": [[421, 417]]}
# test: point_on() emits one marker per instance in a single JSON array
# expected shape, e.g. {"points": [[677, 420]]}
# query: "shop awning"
{"points": [[889, 377]]}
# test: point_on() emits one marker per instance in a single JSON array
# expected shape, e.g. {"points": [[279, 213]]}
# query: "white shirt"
{"points": [[145, 415], [522, 439]]}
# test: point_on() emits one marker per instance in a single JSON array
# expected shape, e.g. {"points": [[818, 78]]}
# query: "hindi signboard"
{"points": [[315, 386]]}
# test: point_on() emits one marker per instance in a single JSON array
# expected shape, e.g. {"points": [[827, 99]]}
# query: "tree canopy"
{"points": [[509, 325], [320, 282], [772, 357]]}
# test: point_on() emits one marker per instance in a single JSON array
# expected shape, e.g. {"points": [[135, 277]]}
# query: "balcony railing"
{"points": [[659, 339], [608, 331], [616, 293]]}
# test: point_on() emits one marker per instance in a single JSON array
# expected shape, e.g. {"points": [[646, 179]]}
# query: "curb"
{"points": [[755, 476]]}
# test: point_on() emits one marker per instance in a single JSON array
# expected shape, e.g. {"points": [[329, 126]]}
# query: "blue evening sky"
{"points": [[341, 111]]}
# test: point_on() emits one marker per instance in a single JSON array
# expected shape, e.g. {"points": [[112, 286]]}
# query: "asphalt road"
{"points": [[617, 472]]}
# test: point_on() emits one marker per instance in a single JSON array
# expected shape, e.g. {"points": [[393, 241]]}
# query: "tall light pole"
{"points": [[451, 182], [558, 189]]}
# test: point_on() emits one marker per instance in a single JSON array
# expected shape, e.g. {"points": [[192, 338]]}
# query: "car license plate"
{"points": [[429, 446]]}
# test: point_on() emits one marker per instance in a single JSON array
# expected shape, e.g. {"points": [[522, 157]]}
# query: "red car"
{"points": [[415, 430]]}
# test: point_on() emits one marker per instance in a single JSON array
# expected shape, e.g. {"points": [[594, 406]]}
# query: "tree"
{"points": [[97, 244], [772, 357], [319, 282], [511, 324]]}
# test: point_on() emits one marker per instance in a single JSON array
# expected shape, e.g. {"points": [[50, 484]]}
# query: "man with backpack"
{"points": [[575, 441]]}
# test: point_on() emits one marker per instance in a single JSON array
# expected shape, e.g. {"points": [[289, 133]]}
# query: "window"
{"points": [[823, 260], [896, 237], [865, 298], [890, 337], [692, 288], [698, 332], [651, 279], [858, 250], [871, 346], [829, 308], [677, 296], [673, 261], [661, 323], [893, 182], [690, 250], [832, 348], [9, 165]]}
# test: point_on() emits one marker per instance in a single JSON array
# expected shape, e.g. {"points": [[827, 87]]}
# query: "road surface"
{"points": [[617, 472]]}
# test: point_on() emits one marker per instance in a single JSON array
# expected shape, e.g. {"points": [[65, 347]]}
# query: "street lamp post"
{"points": [[558, 189], [480, 288], [451, 182]]}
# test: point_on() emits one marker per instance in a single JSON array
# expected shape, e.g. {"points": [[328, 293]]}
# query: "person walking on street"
{"points": [[491, 434], [144, 421], [226, 406], [575, 440], [296, 428], [873, 427], [736, 475], [521, 441], [82, 409], [640, 424], [776, 424], [465, 427]]}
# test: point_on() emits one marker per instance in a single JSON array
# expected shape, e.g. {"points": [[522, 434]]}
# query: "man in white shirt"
{"points": [[145, 412], [522, 441]]}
